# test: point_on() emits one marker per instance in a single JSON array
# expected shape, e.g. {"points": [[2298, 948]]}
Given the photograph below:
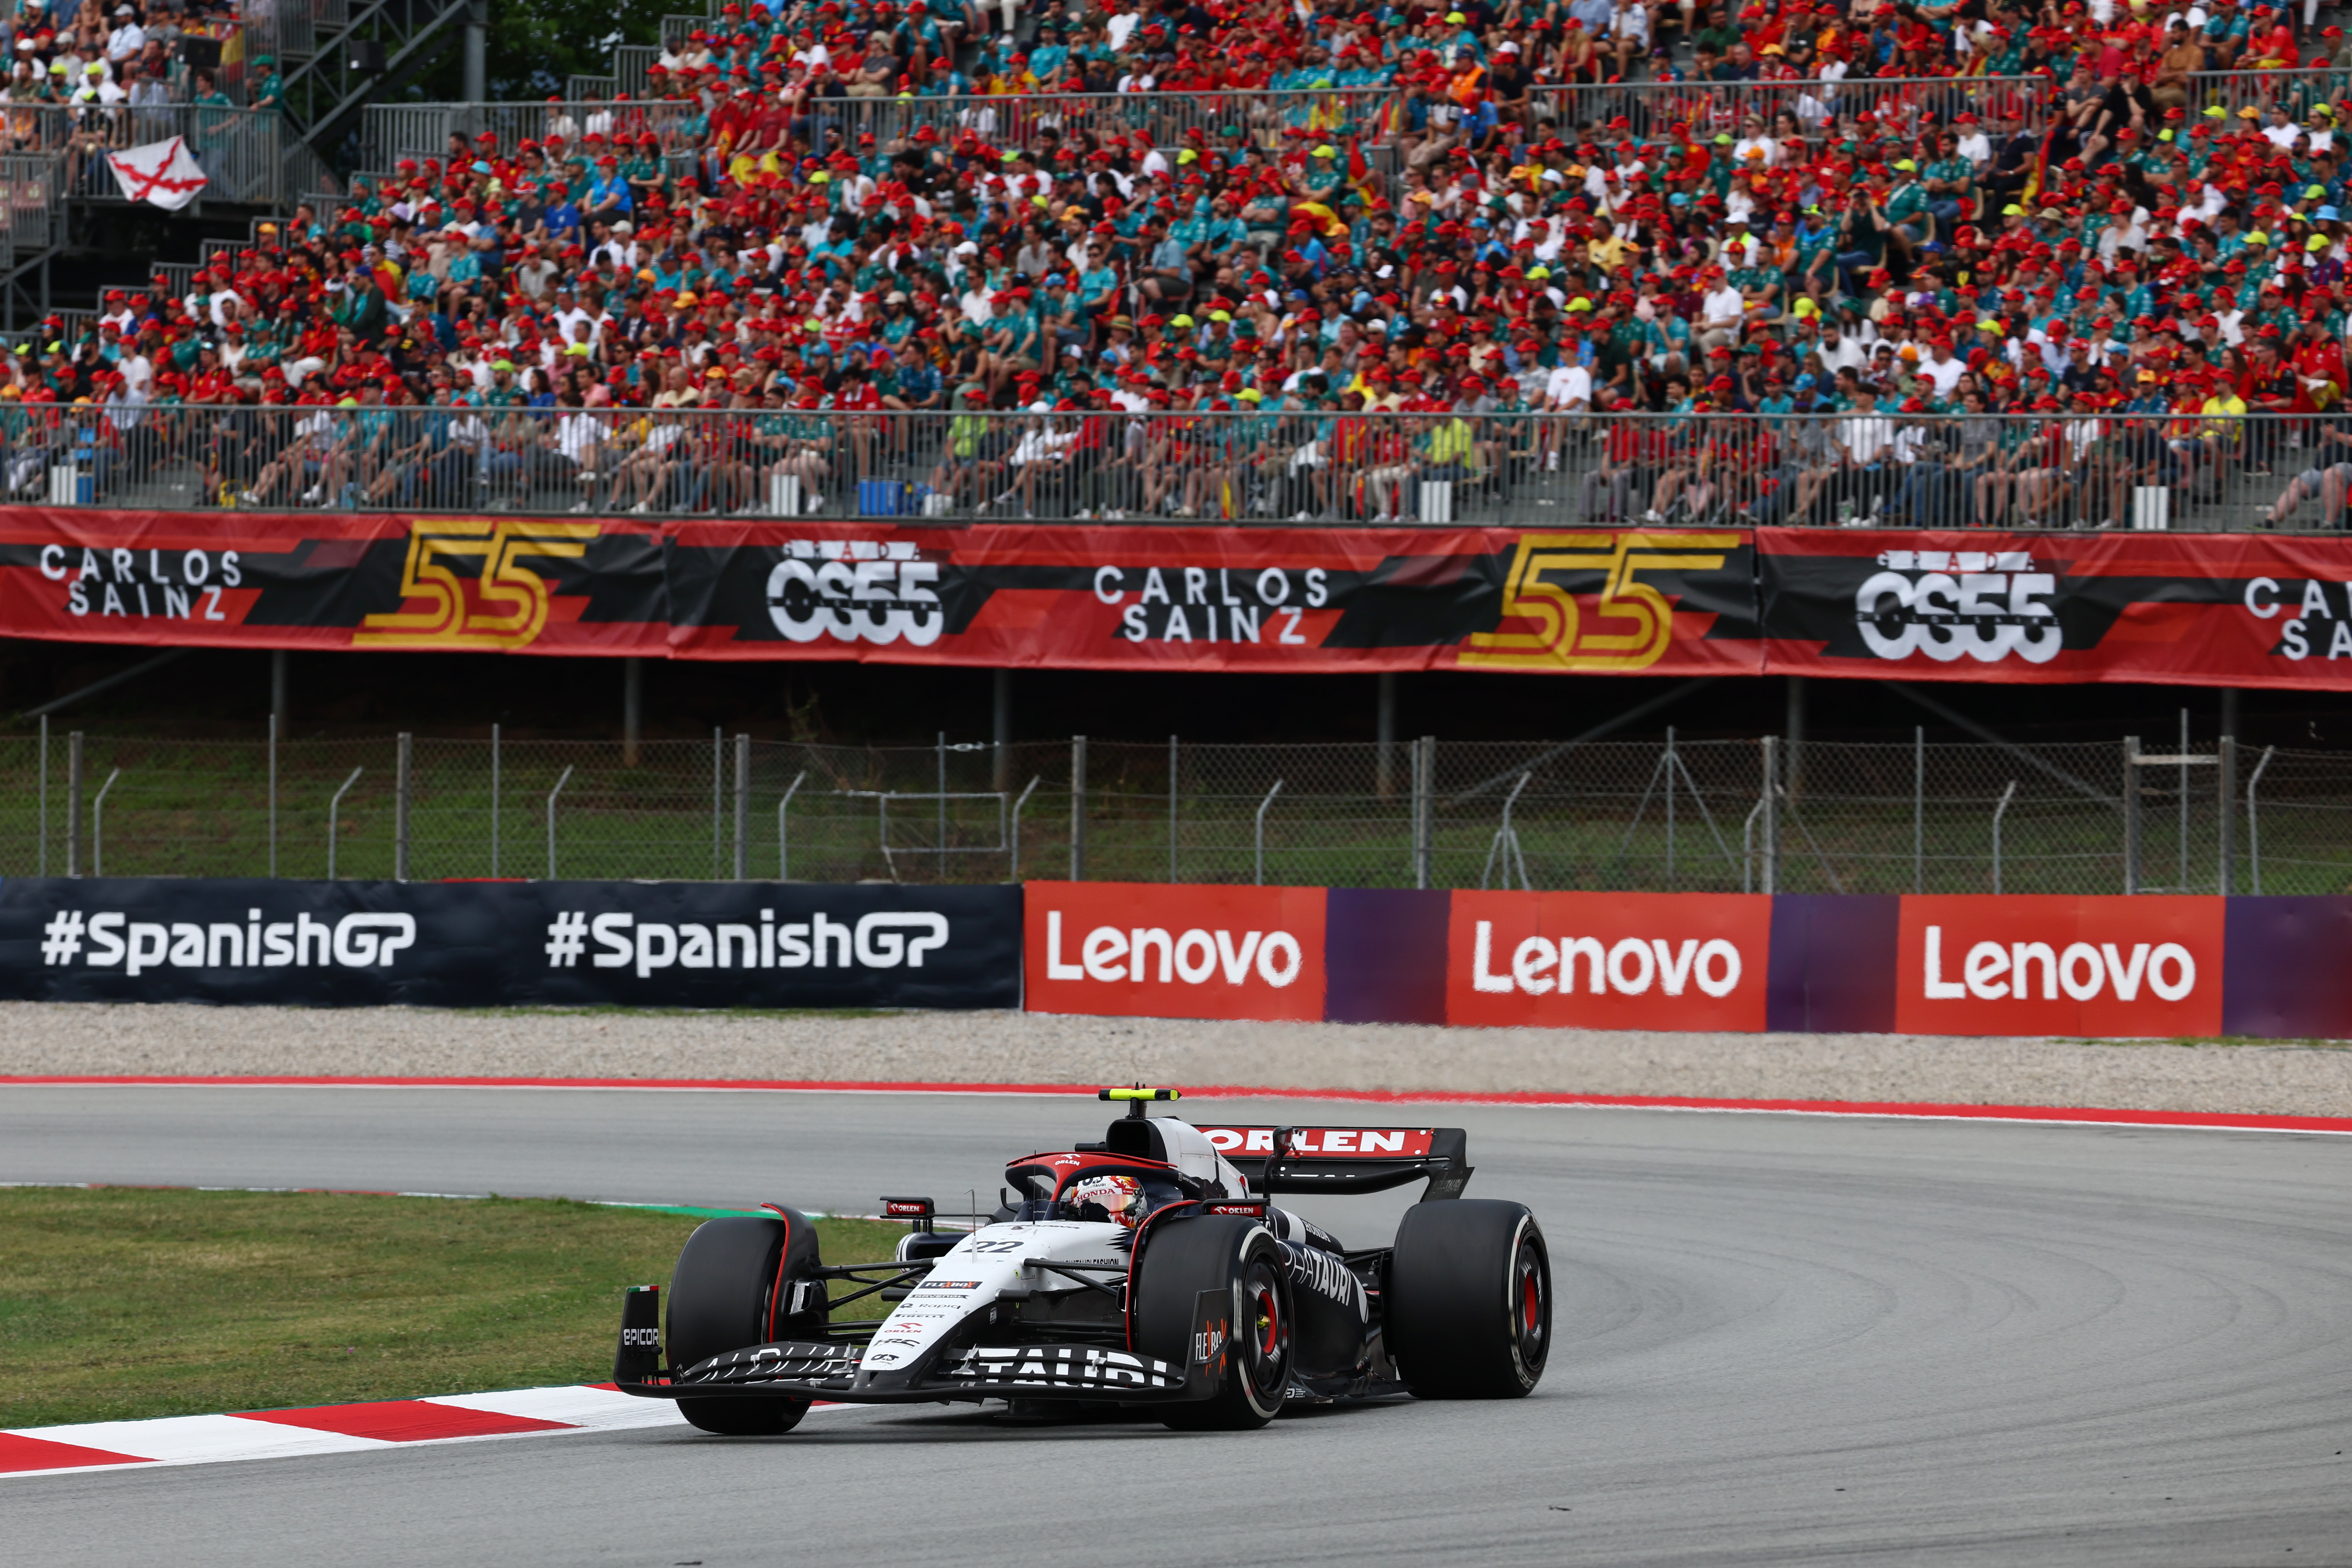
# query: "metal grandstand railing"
{"points": [[2189, 471]]}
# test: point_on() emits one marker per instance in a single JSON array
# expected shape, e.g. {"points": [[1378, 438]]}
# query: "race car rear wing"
{"points": [[1347, 1159]]}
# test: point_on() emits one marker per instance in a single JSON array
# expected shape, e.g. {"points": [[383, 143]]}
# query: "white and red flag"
{"points": [[163, 173]]}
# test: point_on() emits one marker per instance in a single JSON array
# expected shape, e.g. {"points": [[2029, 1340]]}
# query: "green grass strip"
{"points": [[119, 1303]]}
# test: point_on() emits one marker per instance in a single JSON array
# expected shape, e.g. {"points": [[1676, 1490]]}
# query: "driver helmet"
{"points": [[1107, 1196]]}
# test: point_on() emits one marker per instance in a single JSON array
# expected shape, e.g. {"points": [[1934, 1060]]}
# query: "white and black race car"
{"points": [[1148, 1270]]}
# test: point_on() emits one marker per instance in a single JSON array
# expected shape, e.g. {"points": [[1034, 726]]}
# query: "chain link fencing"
{"points": [[2142, 814]]}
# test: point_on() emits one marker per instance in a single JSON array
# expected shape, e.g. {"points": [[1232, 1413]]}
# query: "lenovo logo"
{"points": [[1992, 971], [2090, 964], [1151, 954], [1628, 967]]}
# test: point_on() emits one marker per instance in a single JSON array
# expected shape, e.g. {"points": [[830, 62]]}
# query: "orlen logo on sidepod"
{"points": [[1983, 965], [1641, 961], [1157, 950]]}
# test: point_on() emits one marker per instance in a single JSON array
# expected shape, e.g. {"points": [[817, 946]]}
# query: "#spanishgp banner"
{"points": [[473, 944]]}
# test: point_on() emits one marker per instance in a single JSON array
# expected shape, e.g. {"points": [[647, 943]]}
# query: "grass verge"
{"points": [[118, 1304]]}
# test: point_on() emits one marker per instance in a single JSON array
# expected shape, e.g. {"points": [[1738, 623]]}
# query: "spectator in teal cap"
{"points": [[268, 87]]}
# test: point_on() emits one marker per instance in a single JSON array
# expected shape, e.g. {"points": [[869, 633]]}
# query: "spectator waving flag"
{"points": [[162, 171]]}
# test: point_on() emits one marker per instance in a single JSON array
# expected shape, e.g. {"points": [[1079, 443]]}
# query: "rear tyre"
{"points": [[1239, 1257], [1467, 1313], [724, 1297]]}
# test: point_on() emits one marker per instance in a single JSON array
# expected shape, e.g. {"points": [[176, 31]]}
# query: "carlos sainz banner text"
{"points": [[2236, 610]]}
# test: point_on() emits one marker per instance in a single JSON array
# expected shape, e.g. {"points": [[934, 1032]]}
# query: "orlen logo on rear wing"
{"points": [[1330, 1142], [1347, 1159]]}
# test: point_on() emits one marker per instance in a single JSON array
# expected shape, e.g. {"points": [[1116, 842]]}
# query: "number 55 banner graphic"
{"points": [[1322, 600]]}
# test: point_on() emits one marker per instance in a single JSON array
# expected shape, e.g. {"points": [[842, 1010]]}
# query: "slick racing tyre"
{"points": [[1239, 1257], [1468, 1307], [725, 1297]]}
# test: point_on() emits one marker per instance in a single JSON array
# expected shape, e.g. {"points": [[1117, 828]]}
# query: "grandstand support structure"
{"points": [[366, 49]]}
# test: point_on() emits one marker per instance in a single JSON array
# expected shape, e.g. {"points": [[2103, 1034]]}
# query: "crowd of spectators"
{"points": [[793, 233], [86, 77]]}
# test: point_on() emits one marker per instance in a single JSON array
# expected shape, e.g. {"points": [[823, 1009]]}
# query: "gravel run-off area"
{"points": [[2284, 1078]]}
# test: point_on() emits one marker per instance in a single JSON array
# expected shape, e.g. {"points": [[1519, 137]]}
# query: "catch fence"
{"points": [[2145, 815], [2182, 470]]}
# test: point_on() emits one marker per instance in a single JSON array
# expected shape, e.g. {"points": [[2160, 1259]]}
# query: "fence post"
{"points": [[561, 779], [1429, 812], [718, 796], [2226, 883], [44, 851], [1077, 808], [1384, 730], [2255, 821], [633, 707], [400, 785], [943, 804], [494, 800], [273, 795], [742, 808], [2181, 883], [1261, 829], [73, 804], [1001, 730], [334, 815], [1670, 767], [1919, 809], [1415, 815], [1998, 812], [97, 825], [1771, 856], [783, 831], [2131, 815], [1172, 807]]}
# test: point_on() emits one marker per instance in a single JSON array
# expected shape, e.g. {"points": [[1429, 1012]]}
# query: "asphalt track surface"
{"points": [[1780, 1339]]}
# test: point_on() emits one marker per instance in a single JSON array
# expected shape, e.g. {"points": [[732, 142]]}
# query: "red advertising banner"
{"points": [[1609, 961], [2211, 609], [232, 579], [1300, 599], [2200, 609], [2037, 964], [1150, 950], [1304, 599]]}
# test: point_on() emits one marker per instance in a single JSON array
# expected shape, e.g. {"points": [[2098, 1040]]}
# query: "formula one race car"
{"points": [[1146, 1270]]}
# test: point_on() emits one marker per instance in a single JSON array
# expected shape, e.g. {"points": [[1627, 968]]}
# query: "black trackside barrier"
{"points": [[350, 944]]}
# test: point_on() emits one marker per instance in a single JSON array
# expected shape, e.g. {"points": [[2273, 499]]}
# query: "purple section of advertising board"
{"points": [[1833, 964], [2287, 967], [1384, 955]]}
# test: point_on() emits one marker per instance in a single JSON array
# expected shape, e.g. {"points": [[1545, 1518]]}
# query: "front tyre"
{"points": [[1238, 1257], [1468, 1307], [724, 1297]]}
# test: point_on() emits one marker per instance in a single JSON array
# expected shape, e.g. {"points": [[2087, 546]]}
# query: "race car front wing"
{"points": [[835, 1370]]}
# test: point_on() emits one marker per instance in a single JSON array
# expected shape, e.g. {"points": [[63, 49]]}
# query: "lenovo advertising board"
{"points": [[1156, 951], [2056, 964], [1609, 961]]}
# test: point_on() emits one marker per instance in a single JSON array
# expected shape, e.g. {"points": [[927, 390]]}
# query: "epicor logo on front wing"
{"points": [[110, 937]]}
